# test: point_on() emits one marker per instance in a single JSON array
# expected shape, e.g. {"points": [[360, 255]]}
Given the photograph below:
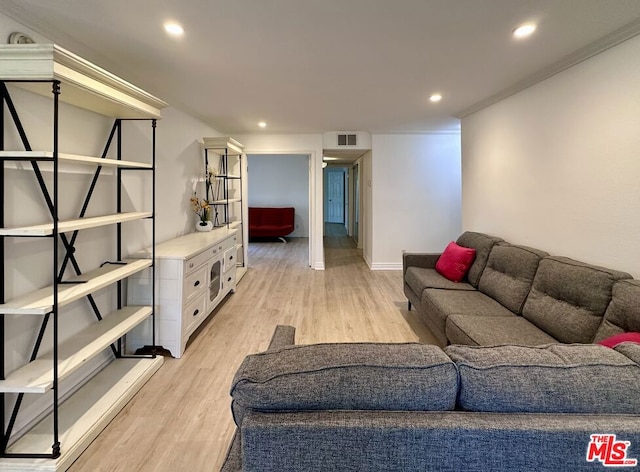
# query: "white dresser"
{"points": [[193, 274]]}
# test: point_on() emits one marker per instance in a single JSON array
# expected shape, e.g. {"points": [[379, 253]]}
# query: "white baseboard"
{"points": [[386, 266]]}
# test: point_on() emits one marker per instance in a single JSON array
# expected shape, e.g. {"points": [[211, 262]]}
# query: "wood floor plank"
{"points": [[181, 419]]}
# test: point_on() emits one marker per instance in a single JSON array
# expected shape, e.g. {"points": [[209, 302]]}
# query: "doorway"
{"points": [[282, 180], [335, 184]]}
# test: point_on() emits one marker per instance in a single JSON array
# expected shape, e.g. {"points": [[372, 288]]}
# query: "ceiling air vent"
{"points": [[347, 140]]}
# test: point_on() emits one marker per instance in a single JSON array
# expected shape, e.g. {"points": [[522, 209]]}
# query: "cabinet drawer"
{"points": [[231, 241], [195, 262], [195, 282], [228, 281], [193, 314], [230, 256]]}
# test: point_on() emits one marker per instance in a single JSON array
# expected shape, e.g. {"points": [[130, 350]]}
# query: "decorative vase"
{"points": [[204, 226]]}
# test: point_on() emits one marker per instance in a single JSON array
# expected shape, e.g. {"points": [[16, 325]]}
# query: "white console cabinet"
{"points": [[193, 274]]}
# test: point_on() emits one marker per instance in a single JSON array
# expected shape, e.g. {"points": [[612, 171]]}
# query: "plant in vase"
{"points": [[201, 208]]}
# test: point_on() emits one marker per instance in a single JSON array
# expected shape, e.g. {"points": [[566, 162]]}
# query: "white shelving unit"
{"points": [[58, 439], [226, 193]]}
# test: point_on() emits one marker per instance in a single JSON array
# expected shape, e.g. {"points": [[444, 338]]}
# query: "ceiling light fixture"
{"points": [[327, 158], [435, 98], [524, 31], [262, 124], [173, 28]]}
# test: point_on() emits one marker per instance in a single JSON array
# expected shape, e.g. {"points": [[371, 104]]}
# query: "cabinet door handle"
{"points": [[230, 258], [196, 312], [229, 279], [190, 265], [197, 283]]}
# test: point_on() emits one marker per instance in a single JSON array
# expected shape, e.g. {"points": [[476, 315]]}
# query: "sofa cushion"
{"points": [[630, 350], [464, 302], [490, 330], [418, 279], [556, 378], [454, 262], [568, 298], [357, 376], [509, 274], [482, 243], [623, 312], [437, 305]]}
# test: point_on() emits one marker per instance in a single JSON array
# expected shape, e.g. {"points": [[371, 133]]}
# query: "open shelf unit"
{"points": [[224, 189], [55, 441]]}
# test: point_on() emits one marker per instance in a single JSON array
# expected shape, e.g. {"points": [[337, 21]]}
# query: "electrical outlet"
{"points": [[297, 226]]}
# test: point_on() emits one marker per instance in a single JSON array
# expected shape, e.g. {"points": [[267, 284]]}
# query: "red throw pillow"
{"points": [[613, 341], [455, 261]]}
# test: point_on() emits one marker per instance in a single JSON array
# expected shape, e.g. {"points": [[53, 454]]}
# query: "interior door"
{"points": [[335, 196]]}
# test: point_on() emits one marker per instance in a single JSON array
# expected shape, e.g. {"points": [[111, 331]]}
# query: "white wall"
{"points": [[366, 205], [557, 166], [180, 169], [277, 180], [309, 144], [415, 191]]}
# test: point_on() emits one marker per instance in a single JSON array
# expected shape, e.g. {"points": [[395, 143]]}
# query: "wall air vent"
{"points": [[347, 140]]}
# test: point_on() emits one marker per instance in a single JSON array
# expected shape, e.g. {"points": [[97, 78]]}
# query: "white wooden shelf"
{"points": [[37, 376], [83, 83], [225, 201], [73, 225], [40, 302], [89, 406], [235, 224], [74, 159], [83, 416], [231, 146]]}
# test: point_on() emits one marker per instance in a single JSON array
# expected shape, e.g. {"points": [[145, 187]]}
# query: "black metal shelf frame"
{"points": [[68, 243], [223, 168]]}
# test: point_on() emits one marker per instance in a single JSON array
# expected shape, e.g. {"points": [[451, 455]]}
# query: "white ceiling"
{"points": [[326, 65]]}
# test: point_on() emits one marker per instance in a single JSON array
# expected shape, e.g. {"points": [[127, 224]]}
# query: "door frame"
{"points": [[312, 208]]}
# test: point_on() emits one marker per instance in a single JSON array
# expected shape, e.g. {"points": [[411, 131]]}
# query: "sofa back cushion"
{"points": [[509, 274], [568, 298], [623, 312], [556, 378], [482, 243], [354, 376]]}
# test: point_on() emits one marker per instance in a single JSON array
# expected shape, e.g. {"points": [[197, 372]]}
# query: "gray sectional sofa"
{"points": [[414, 407], [520, 295], [520, 384]]}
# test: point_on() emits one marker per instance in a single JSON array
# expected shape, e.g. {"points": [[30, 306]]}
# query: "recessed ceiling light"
{"points": [[262, 124], [173, 28], [436, 97], [524, 31]]}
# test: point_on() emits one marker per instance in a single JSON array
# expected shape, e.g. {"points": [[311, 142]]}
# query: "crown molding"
{"points": [[607, 42]]}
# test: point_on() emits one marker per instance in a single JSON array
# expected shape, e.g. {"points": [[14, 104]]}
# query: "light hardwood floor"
{"points": [[181, 420]]}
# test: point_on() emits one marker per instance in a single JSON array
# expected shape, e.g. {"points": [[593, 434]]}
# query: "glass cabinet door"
{"points": [[215, 275]]}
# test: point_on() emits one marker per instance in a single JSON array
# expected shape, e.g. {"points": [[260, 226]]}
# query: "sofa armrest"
{"points": [[419, 259], [282, 336]]}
